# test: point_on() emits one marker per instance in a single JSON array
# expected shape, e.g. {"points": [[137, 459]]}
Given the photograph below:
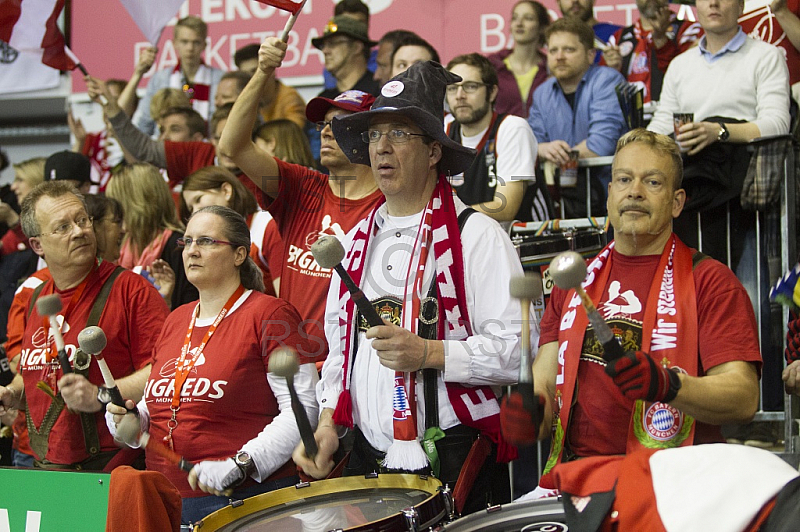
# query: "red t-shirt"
{"points": [[183, 158], [14, 240], [226, 400], [762, 25], [132, 318], [306, 208], [600, 417], [17, 318], [266, 247]]}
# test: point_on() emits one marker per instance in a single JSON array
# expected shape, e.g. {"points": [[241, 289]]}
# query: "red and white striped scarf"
{"points": [[199, 91], [438, 231]]}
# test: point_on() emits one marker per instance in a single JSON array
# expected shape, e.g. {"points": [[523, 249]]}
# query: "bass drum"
{"points": [[385, 503], [530, 516]]}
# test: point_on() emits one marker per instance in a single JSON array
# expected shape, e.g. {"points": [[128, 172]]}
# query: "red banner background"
{"points": [[108, 42]]}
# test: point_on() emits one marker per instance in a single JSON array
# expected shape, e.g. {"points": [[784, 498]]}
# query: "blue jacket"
{"points": [[597, 116]]}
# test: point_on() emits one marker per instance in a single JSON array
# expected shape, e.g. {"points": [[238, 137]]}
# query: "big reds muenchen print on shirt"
{"points": [[306, 209]]}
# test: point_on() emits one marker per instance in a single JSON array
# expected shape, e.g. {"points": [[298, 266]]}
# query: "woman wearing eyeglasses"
{"points": [[524, 67], [209, 396], [153, 228], [214, 185]]}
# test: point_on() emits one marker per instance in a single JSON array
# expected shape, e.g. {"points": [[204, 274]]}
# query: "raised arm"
{"points": [[138, 144], [127, 98], [236, 142]]}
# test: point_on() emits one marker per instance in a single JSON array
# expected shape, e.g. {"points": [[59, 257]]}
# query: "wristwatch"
{"points": [[103, 395], [245, 463], [724, 134]]}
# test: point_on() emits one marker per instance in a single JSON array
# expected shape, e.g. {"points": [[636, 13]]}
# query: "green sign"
{"points": [[52, 501]]}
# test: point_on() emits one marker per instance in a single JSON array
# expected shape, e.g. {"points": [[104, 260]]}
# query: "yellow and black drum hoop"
{"points": [[432, 511]]}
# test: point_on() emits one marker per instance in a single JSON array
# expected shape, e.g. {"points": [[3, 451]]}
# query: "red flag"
{"points": [[30, 25], [286, 5]]}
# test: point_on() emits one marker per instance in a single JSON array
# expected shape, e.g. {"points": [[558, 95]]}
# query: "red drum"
{"points": [[385, 503], [546, 515]]}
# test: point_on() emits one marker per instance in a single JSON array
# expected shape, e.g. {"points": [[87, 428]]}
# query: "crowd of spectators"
{"points": [[244, 151]]}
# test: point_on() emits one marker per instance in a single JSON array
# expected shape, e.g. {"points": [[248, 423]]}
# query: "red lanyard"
{"points": [[182, 368]]}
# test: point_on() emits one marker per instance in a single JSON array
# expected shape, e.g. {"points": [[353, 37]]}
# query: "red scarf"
{"points": [[129, 259], [669, 335], [438, 231]]}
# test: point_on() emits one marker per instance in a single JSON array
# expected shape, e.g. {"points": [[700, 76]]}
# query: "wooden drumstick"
{"points": [[329, 253], [92, 340], [283, 363], [50, 306], [526, 289], [568, 270], [129, 432]]}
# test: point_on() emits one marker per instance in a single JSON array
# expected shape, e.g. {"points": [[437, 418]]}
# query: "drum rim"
{"points": [[548, 507], [229, 514]]}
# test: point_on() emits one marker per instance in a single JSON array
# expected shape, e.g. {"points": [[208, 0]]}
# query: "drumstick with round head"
{"points": [[50, 306], [568, 270], [526, 289], [329, 253], [283, 363], [92, 340], [129, 432]]}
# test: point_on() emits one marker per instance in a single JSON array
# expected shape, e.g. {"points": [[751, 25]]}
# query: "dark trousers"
{"points": [[491, 485]]}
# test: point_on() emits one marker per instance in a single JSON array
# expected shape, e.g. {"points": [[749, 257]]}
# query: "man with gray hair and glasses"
{"points": [[88, 291]]}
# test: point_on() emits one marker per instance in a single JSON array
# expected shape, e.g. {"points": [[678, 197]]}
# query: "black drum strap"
{"points": [[39, 438]]}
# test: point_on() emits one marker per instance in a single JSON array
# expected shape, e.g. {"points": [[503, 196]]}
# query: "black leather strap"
{"points": [[39, 438]]}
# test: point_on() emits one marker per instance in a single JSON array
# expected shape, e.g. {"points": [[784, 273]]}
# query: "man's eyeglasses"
{"points": [[321, 124], [468, 86], [65, 228], [201, 241], [395, 136]]}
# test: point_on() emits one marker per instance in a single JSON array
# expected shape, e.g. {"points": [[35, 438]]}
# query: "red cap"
{"points": [[352, 100]]}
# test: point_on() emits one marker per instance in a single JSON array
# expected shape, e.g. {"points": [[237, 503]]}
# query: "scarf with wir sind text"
{"points": [[669, 336]]}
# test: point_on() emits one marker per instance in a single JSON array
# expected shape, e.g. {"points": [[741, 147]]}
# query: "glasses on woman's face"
{"points": [[201, 241], [65, 228], [322, 124]]}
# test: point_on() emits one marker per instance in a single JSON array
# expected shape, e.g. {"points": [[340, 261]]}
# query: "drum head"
{"points": [[348, 503], [532, 516]]}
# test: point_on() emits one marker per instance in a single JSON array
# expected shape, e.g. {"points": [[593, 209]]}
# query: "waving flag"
{"points": [[152, 17], [286, 5], [30, 26], [31, 45]]}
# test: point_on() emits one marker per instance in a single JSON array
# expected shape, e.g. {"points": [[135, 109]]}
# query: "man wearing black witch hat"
{"points": [[420, 390]]}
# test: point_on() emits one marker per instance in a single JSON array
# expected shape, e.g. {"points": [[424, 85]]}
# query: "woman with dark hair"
{"points": [[523, 68], [108, 225], [209, 396], [214, 185]]}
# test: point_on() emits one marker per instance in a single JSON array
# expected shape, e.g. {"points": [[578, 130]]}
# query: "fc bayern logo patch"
{"points": [[662, 421]]}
